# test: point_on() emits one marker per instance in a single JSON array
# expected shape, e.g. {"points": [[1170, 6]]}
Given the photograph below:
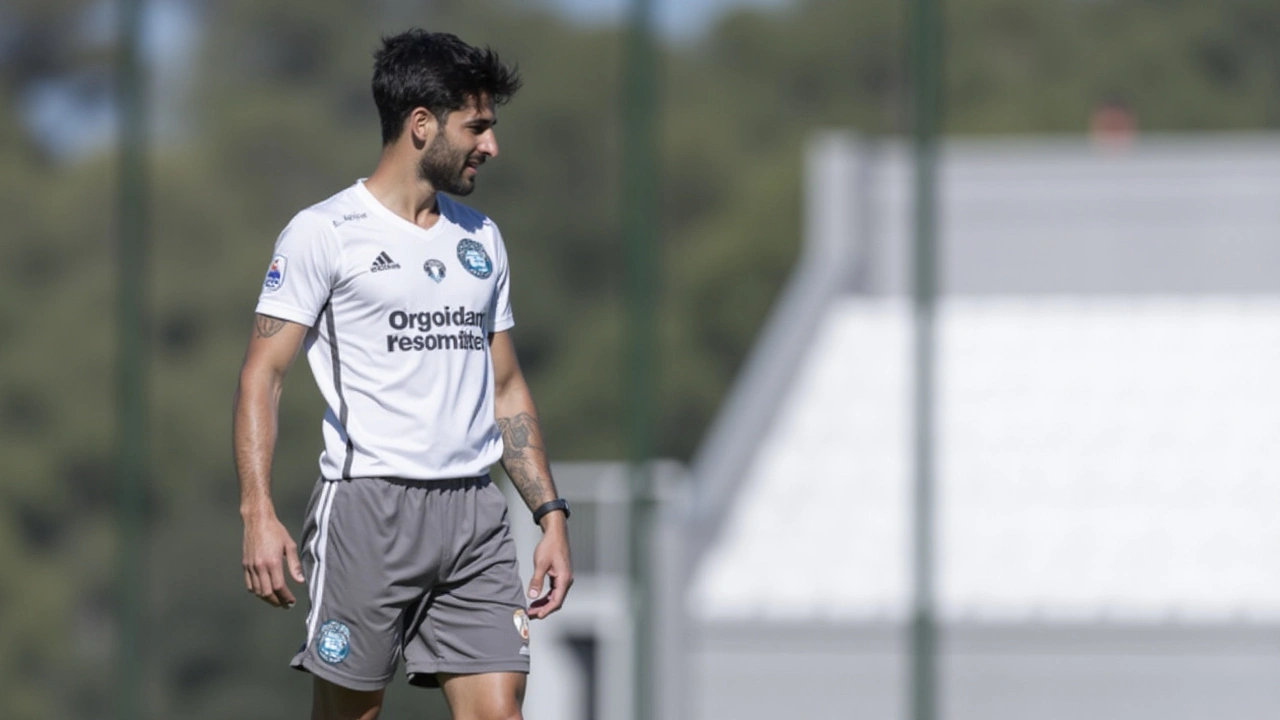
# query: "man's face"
{"points": [[461, 145]]}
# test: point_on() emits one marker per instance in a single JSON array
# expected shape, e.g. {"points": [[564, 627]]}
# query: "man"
{"points": [[400, 296]]}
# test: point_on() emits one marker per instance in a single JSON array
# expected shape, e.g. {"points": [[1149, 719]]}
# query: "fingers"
{"points": [[283, 598], [540, 608], [535, 584], [262, 583], [264, 574], [556, 598], [560, 579], [550, 563], [268, 583], [295, 565]]}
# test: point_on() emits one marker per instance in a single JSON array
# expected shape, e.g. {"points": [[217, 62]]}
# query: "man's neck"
{"points": [[395, 184]]}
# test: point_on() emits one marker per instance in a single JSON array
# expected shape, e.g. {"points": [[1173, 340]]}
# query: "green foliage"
{"points": [[278, 116]]}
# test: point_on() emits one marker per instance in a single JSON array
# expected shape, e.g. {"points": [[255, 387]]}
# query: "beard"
{"points": [[443, 166]]}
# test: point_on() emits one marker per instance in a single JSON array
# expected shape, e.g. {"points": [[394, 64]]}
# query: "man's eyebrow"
{"points": [[490, 122]]}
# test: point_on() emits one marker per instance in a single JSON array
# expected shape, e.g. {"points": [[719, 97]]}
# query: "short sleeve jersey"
{"points": [[399, 317]]}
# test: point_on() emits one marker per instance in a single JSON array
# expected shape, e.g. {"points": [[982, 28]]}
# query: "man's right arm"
{"points": [[267, 545]]}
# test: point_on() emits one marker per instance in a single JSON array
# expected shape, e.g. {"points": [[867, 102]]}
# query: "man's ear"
{"points": [[422, 126]]}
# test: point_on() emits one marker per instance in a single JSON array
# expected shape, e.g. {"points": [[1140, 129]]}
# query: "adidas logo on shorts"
{"points": [[383, 262]]}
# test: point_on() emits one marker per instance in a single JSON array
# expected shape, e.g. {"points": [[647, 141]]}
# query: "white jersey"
{"points": [[399, 317]]}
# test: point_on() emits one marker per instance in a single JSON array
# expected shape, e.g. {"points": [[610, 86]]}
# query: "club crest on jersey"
{"points": [[473, 257], [333, 644], [435, 269], [275, 273]]}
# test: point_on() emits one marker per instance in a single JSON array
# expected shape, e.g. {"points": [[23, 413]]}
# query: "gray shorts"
{"points": [[421, 570]]}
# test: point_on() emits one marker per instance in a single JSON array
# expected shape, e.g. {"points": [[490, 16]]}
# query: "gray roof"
{"points": [[1172, 215]]}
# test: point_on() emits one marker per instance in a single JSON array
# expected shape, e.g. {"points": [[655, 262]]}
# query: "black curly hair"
{"points": [[437, 71]]}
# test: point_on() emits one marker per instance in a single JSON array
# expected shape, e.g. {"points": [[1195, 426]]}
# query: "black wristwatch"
{"points": [[557, 504]]}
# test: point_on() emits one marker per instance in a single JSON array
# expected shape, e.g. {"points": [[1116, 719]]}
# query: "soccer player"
{"points": [[400, 296]]}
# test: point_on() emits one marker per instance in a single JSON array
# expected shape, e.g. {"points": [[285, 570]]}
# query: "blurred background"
{"points": [[1106, 339]]}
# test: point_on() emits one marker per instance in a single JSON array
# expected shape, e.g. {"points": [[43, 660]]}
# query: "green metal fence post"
{"points": [[926, 36], [131, 353], [639, 224]]}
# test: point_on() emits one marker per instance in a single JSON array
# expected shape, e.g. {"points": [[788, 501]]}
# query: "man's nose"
{"points": [[489, 143]]}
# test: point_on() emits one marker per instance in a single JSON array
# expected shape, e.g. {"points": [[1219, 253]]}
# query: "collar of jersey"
{"points": [[390, 215]]}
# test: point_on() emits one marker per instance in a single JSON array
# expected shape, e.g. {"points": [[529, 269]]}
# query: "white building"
{"points": [[1108, 444], [1108, 456]]}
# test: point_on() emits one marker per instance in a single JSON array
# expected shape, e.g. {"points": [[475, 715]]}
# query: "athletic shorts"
{"points": [[424, 571]]}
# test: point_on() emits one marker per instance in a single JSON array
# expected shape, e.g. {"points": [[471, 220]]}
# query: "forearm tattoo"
{"points": [[266, 326], [523, 458]]}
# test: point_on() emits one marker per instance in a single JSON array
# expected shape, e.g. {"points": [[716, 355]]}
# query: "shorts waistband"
{"points": [[461, 483]]}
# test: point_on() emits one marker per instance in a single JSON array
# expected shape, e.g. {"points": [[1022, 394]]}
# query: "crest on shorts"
{"points": [[521, 621], [333, 644], [275, 273], [435, 269], [473, 257]]}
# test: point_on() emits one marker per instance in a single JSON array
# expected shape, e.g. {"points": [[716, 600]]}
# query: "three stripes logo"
{"points": [[383, 262]]}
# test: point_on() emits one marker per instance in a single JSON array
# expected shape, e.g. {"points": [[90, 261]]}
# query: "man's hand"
{"points": [[551, 562], [267, 547]]}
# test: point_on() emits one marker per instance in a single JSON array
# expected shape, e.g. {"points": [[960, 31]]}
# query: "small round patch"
{"points": [[521, 621], [275, 273], [333, 644], [473, 257], [435, 269]]}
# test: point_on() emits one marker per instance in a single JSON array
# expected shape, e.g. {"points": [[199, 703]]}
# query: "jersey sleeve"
{"points": [[500, 310], [302, 272]]}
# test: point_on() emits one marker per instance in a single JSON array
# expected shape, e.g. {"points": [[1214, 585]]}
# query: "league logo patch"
{"points": [[473, 257], [333, 644], [275, 273], [521, 621], [435, 269]]}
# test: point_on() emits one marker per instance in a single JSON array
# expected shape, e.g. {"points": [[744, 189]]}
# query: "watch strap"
{"points": [[552, 506]]}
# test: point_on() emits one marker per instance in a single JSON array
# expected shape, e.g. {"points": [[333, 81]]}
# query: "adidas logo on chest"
{"points": [[383, 262]]}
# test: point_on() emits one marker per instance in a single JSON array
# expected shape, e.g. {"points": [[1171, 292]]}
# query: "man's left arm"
{"points": [[524, 457]]}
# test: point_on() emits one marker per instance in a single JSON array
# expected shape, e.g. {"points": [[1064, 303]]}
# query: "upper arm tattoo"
{"points": [[265, 326]]}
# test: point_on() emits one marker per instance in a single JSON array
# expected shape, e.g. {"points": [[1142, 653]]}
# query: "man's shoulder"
{"points": [[465, 216], [334, 211], [318, 228]]}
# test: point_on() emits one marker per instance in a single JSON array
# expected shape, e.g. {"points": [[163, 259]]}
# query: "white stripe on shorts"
{"points": [[319, 543]]}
